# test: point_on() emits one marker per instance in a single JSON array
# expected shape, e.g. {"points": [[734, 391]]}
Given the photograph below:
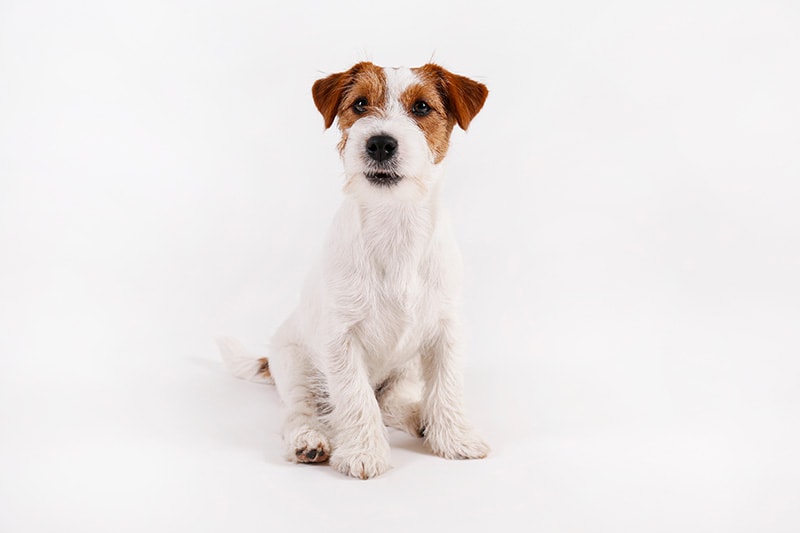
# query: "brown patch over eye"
{"points": [[364, 95], [336, 94], [463, 97], [425, 105]]}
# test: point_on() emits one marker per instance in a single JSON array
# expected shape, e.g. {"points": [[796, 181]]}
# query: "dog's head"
{"points": [[396, 122]]}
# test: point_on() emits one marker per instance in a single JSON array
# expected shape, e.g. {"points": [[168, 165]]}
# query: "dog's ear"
{"points": [[464, 97], [328, 92]]}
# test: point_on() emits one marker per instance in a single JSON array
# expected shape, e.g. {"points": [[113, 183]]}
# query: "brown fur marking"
{"points": [[263, 367], [463, 97], [438, 124], [335, 95]]}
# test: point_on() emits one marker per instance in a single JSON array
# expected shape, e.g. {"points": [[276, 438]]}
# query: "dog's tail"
{"points": [[241, 363]]}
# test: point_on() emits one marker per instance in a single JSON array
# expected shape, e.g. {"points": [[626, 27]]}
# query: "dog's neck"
{"points": [[396, 232]]}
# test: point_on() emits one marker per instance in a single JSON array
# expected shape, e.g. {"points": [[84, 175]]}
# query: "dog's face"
{"points": [[396, 123]]}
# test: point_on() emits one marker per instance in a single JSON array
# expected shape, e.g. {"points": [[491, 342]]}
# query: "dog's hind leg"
{"points": [[304, 431]]}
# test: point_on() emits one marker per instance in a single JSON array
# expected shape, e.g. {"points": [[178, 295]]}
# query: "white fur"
{"points": [[375, 337]]}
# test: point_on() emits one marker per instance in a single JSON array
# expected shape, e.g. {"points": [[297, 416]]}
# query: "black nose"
{"points": [[381, 147]]}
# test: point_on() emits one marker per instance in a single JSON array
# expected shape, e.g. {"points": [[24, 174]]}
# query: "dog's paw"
{"points": [[362, 463], [464, 446], [307, 445]]}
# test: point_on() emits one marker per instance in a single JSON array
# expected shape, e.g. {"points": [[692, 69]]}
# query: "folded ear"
{"points": [[464, 96], [328, 92]]}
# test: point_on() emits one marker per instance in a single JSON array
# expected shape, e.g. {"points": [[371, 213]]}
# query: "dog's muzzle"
{"points": [[382, 149]]}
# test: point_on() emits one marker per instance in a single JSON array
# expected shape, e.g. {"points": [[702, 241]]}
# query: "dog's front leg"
{"points": [[361, 446], [446, 428]]}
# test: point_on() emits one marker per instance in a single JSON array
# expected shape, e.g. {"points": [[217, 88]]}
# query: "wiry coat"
{"points": [[374, 339]]}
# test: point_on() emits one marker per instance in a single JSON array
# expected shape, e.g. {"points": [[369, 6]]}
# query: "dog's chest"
{"points": [[388, 280], [400, 310], [402, 305]]}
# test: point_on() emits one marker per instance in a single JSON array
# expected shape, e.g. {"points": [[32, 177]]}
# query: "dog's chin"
{"points": [[383, 179]]}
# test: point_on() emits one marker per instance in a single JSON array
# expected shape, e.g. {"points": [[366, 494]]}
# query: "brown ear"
{"points": [[327, 94], [464, 96]]}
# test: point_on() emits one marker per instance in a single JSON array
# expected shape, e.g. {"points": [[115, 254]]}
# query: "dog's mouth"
{"points": [[382, 179]]}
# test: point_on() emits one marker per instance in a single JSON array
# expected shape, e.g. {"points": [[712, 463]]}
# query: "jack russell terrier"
{"points": [[374, 341]]}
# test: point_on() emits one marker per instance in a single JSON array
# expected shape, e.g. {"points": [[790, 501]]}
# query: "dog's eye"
{"points": [[420, 108], [360, 106]]}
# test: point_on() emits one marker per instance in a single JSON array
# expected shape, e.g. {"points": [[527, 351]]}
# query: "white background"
{"points": [[627, 204]]}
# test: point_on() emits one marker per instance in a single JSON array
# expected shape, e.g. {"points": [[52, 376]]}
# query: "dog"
{"points": [[375, 341]]}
